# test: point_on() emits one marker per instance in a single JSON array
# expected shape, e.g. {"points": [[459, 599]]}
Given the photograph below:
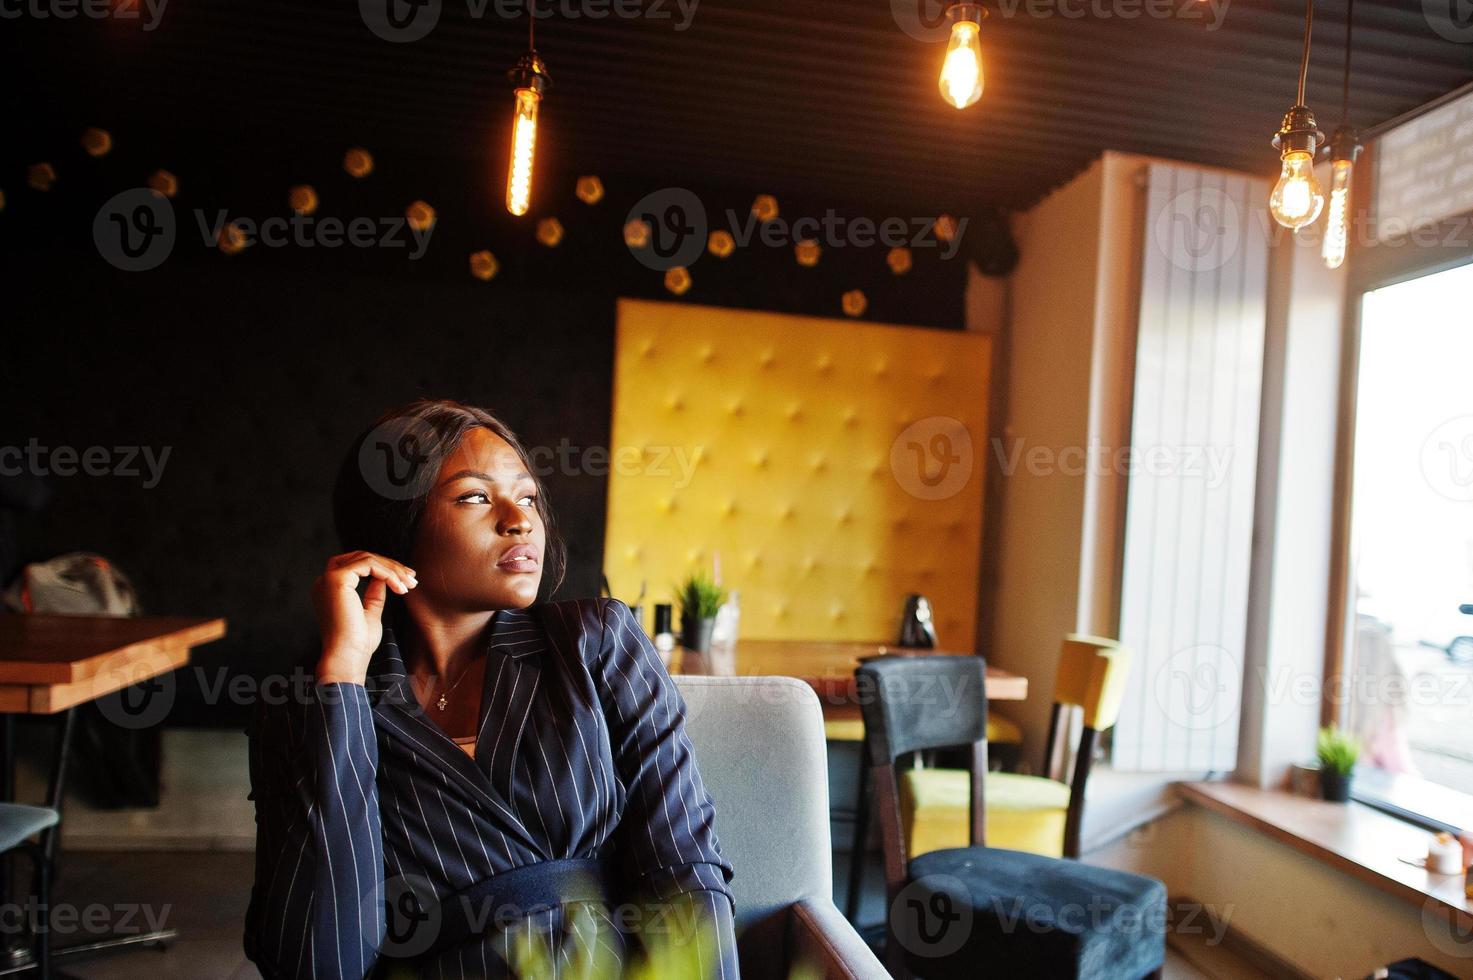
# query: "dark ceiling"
{"points": [[825, 99]]}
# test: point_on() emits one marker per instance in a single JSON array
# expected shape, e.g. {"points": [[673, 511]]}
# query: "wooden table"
{"points": [[49, 664], [828, 667]]}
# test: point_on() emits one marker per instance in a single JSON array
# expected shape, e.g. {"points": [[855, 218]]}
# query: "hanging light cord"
{"points": [[1345, 84], [531, 25], [1304, 62]]}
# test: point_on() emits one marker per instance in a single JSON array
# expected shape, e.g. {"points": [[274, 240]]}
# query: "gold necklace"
{"points": [[442, 703]]}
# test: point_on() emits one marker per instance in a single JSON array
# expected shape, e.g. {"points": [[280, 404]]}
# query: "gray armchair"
{"points": [[760, 748]]}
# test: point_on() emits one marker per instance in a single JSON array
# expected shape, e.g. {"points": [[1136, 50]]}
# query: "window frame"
{"points": [[1369, 269]]}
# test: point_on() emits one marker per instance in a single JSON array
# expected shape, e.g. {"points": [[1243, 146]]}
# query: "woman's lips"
{"points": [[519, 559]]}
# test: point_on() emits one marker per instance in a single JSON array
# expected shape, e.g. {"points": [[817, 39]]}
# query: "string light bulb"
{"points": [[1297, 198], [961, 72], [530, 79], [1344, 148]]}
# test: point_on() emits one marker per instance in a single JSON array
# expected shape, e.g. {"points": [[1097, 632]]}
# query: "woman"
{"points": [[468, 778]]}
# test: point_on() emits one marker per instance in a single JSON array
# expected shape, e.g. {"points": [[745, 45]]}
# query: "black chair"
{"points": [[958, 911], [18, 824]]}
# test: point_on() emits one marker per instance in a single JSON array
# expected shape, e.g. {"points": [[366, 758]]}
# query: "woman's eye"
{"points": [[475, 496], [531, 500]]}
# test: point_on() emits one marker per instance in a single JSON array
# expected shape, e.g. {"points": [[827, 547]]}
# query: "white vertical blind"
{"points": [[1194, 439]]}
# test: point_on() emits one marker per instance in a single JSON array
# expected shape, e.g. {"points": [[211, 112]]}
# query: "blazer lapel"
{"points": [[513, 671], [514, 644]]}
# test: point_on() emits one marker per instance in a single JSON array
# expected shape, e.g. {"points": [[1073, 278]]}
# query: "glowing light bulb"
{"points": [[961, 72], [1337, 225], [523, 152], [1297, 198]]}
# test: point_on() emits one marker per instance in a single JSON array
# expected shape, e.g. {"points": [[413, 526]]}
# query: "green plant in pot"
{"points": [[1338, 751], [699, 598]]}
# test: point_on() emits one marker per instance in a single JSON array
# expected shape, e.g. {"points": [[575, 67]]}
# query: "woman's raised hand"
{"points": [[352, 625]]}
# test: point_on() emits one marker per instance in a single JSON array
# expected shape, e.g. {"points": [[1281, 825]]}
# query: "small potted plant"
{"points": [[699, 598], [1338, 751]]}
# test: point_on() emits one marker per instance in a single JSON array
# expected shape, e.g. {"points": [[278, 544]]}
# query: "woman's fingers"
{"points": [[348, 570], [373, 600]]}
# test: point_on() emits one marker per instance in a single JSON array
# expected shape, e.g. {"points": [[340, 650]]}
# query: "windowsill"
{"points": [[1356, 839], [1413, 799]]}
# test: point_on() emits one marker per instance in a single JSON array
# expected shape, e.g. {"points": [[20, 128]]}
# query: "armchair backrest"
{"points": [[760, 749]]}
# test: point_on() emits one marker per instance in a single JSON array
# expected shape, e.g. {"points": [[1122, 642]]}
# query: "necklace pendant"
{"points": [[441, 704]]}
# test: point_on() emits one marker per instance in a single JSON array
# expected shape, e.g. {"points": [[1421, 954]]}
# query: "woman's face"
{"points": [[481, 541]]}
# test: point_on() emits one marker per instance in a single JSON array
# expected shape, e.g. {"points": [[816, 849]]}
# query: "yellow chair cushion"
{"points": [[1004, 730], [844, 730], [1024, 813], [999, 729]]}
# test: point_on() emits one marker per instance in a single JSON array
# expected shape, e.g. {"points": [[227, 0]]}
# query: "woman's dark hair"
{"points": [[384, 481]]}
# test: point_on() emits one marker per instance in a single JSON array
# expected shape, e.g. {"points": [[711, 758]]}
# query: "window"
{"points": [[1409, 678]]}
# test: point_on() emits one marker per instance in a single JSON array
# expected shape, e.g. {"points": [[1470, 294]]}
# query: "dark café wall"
{"points": [[254, 372]]}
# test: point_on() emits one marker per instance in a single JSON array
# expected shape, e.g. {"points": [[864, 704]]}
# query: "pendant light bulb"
{"points": [[961, 72], [1297, 198], [1344, 147], [530, 78]]}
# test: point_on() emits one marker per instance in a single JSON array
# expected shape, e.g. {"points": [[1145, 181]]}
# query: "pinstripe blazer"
{"points": [[580, 752]]}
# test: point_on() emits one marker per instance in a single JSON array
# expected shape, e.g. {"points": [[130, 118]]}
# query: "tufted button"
{"points": [[881, 368], [767, 358], [706, 354], [819, 464], [851, 418], [786, 512], [794, 412], [728, 509], [845, 517], [825, 363], [737, 408]]}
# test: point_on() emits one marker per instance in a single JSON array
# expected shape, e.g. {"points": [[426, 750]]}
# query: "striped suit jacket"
{"points": [[581, 751]]}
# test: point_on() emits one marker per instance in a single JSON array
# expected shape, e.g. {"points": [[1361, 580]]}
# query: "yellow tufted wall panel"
{"points": [[835, 466]]}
